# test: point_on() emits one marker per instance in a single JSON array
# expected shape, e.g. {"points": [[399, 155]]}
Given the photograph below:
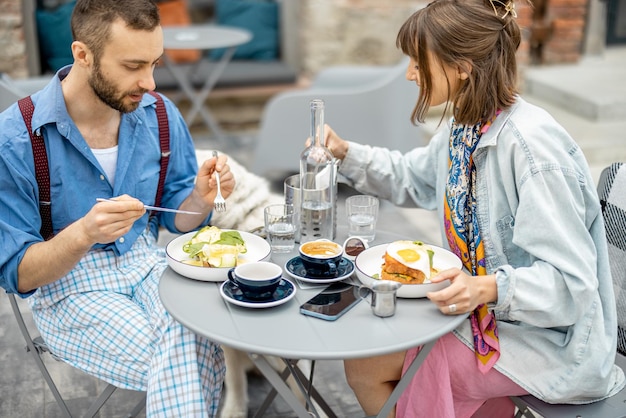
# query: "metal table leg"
{"points": [[270, 396], [314, 394], [197, 99], [304, 384], [405, 380], [281, 387], [216, 72]]}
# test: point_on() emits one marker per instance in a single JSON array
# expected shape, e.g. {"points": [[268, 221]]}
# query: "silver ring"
{"points": [[452, 308]]}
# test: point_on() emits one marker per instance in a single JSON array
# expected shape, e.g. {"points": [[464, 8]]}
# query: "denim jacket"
{"points": [[542, 227]]}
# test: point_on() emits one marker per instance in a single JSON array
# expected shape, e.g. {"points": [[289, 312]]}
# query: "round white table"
{"points": [[282, 331], [202, 37]]}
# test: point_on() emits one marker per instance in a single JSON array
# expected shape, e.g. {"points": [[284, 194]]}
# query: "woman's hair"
{"points": [[479, 35], [92, 19]]}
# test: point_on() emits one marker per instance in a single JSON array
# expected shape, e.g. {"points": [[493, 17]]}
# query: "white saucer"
{"points": [[295, 269], [285, 291]]}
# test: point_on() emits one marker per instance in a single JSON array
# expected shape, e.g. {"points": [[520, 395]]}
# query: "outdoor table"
{"points": [[282, 331], [202, 37]]}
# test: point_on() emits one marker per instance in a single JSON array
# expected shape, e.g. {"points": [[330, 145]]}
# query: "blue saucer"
{"points": [[296, 269], [284, 292]]}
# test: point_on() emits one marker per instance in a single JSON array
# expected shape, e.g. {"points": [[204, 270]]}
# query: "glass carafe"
{"points": [[318, 183]]}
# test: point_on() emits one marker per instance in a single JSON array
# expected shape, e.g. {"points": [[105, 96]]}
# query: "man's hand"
{"points": [[202, 197], [107, 221], [206, 184], [47, 261]]}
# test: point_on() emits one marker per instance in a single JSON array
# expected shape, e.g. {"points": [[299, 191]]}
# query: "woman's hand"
{"points": [[337, 146], [465, 292]]}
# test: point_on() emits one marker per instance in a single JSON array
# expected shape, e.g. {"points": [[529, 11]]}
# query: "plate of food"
{"points": [[208, 254], [411, 263]]}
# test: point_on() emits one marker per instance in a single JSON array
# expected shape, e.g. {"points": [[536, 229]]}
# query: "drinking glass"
{"points": [[362, 216], [281, 225]]}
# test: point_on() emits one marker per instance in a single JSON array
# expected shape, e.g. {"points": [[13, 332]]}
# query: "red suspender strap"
{"points": [[164, 140], [42, 172]]}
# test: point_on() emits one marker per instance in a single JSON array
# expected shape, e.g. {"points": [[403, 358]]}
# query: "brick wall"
{"points": [[12, 45], [364, 31], [568, 18], [337, 32]]}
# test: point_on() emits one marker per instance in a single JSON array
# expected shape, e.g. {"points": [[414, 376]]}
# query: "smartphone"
{"points": [[332, 302]]}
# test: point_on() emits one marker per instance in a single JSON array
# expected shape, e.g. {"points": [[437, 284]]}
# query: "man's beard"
{"points": [[106, 92]]}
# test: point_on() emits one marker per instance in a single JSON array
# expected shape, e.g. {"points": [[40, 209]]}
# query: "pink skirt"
{"points": [[448, 384]]}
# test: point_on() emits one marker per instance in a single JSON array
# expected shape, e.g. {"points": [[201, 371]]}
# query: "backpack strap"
{"points": [[42, 172], [164, 141]]}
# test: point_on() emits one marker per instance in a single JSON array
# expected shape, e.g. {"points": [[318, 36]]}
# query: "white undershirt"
{"points": [[107, 157]]}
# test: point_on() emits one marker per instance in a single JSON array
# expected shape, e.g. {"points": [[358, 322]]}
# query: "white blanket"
{"points": [[244, 207]]}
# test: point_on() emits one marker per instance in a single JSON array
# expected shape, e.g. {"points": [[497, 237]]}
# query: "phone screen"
{"points": [[332, 302]]}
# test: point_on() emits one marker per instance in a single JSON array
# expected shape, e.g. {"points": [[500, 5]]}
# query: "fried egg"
{"points": [[413, 254]]}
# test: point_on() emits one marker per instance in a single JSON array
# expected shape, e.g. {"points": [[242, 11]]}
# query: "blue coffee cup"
{"points": [[321, 257], [257, 280]]}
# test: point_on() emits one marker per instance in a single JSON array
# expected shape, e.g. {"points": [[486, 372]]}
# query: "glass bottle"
{"points": [[318, 183]]}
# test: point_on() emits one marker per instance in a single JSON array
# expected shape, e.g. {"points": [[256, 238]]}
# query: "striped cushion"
{"points": [[612, 192]]}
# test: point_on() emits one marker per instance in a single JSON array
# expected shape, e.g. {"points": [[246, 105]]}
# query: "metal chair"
{"points": [[11, 90], [612, 192], [9, 94], [36, 347]]}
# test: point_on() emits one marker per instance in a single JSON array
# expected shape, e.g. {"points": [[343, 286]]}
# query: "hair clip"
{"points": [[509, 7]]}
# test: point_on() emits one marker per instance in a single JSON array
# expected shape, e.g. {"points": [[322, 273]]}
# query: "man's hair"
{"points": [[92, 19], [481, 35]]}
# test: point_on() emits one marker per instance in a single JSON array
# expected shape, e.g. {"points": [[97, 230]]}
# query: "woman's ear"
{"points": [[464, 70]]}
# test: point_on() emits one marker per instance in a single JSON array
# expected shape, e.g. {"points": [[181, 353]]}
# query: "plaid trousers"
{"points": [[106, 318]]}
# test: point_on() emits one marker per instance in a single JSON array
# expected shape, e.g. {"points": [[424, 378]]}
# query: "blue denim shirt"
{"points": [[541, 223], [76, 178]]}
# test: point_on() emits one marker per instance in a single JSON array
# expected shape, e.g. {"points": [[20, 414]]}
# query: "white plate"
{"points": [[285, 292], [258, 250], [369, 263]]}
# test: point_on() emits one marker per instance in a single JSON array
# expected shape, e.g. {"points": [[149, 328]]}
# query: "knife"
{"points": [[148, 207]]}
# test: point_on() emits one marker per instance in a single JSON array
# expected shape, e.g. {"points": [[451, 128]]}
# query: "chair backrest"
{"points": [[369, 105], [11, 90], [612, 193], [9, 94]]}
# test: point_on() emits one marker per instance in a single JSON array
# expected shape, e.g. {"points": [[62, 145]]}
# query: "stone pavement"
{"points": [[587, 98]]}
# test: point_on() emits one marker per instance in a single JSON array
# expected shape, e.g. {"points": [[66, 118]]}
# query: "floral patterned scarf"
{"points": [[461, 225]]}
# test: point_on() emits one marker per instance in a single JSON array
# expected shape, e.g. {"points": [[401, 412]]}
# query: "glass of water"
{"points": [[362, 215], [281, 225]]}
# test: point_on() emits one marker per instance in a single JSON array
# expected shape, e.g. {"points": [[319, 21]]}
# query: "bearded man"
{"points": [[92, 282]]}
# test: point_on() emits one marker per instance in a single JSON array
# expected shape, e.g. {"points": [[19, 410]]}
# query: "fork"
{"points": [[219, 203]]}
